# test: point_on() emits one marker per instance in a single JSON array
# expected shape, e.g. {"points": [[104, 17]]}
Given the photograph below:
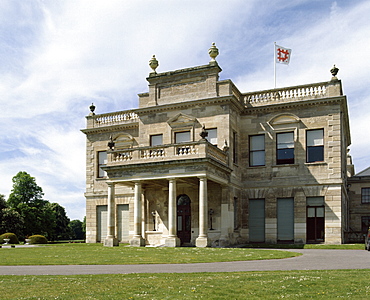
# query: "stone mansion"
{"points": [[200, 163]]}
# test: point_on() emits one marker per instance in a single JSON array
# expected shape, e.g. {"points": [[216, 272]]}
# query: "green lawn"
{"points": [[96, 254], [236, 285]]}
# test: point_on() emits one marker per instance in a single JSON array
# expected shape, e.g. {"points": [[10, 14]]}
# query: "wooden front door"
{"points": [[183, 219], [315, 224]]}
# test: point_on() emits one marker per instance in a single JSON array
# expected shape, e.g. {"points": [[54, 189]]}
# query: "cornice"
{"points": [[187, 104], [111, 128], [288, 105]]}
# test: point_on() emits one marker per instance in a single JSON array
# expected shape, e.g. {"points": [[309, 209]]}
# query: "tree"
{"points": [[10, 220], [25, 190], [62, 231], [26, 199], [77, 229]]}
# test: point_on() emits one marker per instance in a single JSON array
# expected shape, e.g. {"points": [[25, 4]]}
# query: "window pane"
{"points": [[315, 201], [320, 212], [365, 195], [310, 212], [102, 161], [179, 223], [285, 140], [103, 158], [285, 156], [212, 136], [257, 142], [182, 137], [315, 153], [315, 137], [258, 158], [156, 140]]}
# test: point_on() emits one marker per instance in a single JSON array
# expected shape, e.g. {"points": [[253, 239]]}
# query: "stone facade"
{"points": [[359, 206], [272, 169]]}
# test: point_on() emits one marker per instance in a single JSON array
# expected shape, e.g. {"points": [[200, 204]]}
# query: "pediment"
{"points": [[181, 120], [123, 141], [283, 119]]}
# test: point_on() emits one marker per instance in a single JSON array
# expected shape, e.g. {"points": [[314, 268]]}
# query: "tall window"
{"points": [[182, 137], [212, 136], [365, 195], [257, 150], [285, 148], [235, 148], [102, 162], [156, 140], [315, 145]]}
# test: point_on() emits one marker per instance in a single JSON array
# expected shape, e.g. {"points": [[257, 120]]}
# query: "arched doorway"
{"points": [[184, 218]]}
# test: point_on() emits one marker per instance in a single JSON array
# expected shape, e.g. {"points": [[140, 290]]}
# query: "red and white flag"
{"points": [[282, 55]]}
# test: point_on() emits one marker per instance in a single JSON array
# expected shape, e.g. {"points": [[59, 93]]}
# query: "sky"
{"points": [[58, 57]]}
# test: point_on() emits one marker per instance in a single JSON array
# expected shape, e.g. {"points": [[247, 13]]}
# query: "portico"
{"points": [[167, 216]]}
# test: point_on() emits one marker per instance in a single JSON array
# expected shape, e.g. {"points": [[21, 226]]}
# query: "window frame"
{"points": [[314, 148], [181, 131], [285, 161], [251, 151]]}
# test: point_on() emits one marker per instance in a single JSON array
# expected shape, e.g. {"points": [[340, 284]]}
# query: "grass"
{"points": [[96, 254], [235, 285]]}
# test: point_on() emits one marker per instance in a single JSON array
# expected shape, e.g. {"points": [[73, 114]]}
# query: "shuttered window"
{"points": [[285, 219], [123, 222], [102, 222], [257, 220]]}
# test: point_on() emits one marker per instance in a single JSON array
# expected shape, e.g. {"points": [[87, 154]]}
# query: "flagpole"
{"points": [[275, 65]]}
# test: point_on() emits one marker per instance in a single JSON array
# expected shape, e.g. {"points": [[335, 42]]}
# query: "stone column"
{"points": [[137, 240], [202, 240], [111, 240], [172, 240]]}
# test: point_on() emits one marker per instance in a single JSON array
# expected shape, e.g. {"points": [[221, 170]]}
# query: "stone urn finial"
{"points": [[92, 109], [153, 63], [334, 71], [203, 133], [111, 143], [213, 52]]}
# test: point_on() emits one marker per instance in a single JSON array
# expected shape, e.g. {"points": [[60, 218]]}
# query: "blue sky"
{"points": [[57, 57]]}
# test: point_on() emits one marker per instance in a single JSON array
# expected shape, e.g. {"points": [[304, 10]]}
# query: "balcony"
{"points": [[166, 153], [326, 89]]}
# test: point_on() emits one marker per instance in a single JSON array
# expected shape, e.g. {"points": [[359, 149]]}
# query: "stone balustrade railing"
{"points": [[191, 150], [114, 118], [288, 94]]}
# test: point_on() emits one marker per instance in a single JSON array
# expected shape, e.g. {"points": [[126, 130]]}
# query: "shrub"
{"points": [[38, 239], [8, 235]]}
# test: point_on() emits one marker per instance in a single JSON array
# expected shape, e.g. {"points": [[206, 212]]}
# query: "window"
{"points": [[257, 150], [156, 140], [102, 162], [315, 145], [182, 137], [212, 136], [285, 148], [235, 148], [365, 195]]}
